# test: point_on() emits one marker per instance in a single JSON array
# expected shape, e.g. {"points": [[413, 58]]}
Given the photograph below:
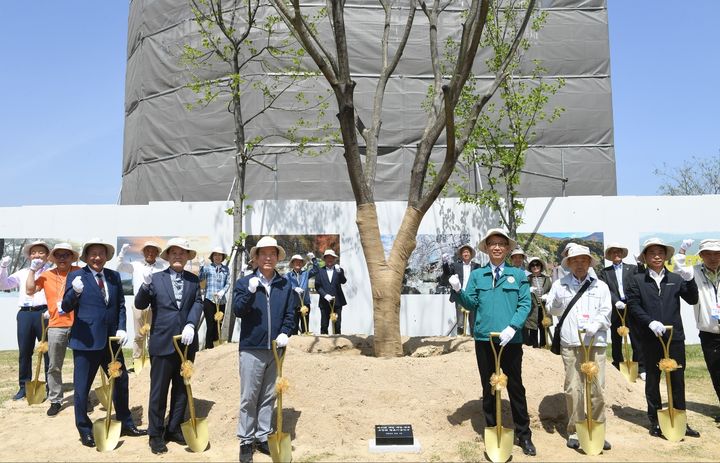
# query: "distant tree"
{"points": [[694, 176], [506, 129]]}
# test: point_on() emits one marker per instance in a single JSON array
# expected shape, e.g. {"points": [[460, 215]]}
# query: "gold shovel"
{"points": [[628, 368], [106, 431], [218, 319], [333, 317], [35, 390], [672, 422], [279, 442], [498, 439], [143, 361], [546, 321], [591, 434], [304, 312], [103, 392], [466, 315], [195, 430]]}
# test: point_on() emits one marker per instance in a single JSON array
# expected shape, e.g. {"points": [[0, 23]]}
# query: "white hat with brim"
{"points": [[517, 252], [218, 250], [669, 250], [512, 244], [297, 257], [579, 250], [29, 246], [151, 244], [710, 244], [536, 259], [466, 246], [616, 246], [267, 242], [329, 252], [565, 251], [63, 247], [99, 241], [181, 243]]}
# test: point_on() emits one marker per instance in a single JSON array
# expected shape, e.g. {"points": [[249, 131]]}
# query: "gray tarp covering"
{"points": [[172, 153]]}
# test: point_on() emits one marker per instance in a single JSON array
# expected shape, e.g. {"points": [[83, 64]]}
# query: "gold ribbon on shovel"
{"points": [[195, 430], [143, 361], [333, 316], [591, 434], [545, 321], [498, 439], [218, 319], [672, 422], [35, 389], [628, 368]]}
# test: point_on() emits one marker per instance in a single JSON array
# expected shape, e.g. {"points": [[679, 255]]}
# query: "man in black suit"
{"points": [[176, 303], [96, 295], [654, 301], [328, 284], [617, 277], [462, 268]]}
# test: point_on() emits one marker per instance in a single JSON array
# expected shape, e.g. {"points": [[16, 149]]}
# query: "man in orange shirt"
{"points": [[59, 322]]}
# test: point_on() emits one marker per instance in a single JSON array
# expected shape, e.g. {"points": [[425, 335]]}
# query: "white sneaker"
{"points": [[642, 376]]}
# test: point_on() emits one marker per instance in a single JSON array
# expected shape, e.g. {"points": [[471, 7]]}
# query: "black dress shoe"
{"points": [[573, 443], [690, 432], [527, 447], [717, 419], [263, 447], [246, 453], [176, 437], [157, 445], [19, 395], [132, 431], [655, 430], [607, 445], [54, 409], [87, 440]]}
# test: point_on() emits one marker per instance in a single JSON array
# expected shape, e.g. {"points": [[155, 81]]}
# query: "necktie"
{"points": [[177, 287], [101, 284], [497, 275]]}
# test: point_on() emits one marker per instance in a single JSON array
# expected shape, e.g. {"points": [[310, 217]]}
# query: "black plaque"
{"points": [[394, 434]]}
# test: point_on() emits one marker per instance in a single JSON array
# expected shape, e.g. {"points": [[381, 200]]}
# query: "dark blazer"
{"points": [[456, 268], [168, 319], [94, 321], [610, 278], [334, 288], [647, 303]]}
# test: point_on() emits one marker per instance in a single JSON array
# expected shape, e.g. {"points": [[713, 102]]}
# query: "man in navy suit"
{"points": [[174, 298], [328, 283], [96, 295], [462, 268]]}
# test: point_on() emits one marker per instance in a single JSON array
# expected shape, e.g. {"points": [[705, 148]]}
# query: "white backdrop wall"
{"points": [[621, 219]]}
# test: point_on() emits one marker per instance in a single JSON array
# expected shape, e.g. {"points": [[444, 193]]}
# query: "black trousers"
{"points": [[710, 343], [653, 353], [29, 329], [616, 339], [165, 371], [511, 364], [325, 319], [211, 334]]}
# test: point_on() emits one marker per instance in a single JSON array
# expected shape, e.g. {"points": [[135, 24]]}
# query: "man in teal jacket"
{"points": [[500, 296]]}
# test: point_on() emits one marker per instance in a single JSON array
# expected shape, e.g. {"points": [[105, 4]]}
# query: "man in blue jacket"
{"points": [[96, 295], [500, 297], [263, 301]]}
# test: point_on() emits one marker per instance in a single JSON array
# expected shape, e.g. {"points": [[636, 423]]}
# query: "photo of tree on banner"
{"points": [[549, 246]]}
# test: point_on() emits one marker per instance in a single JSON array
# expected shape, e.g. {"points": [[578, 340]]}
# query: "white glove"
{"points": [[686, 244], [445, 257], [77, 284], [545, 297], [282, 340], [338, 268], [219, 295], [329, 298], [60, 311], [310, 255], [506, 335], [5, 261], [46, 315], [122, 335], [657, 328], [124, 248], [687, 273], [253, 284], [147, 275], [299, 290], [454, 281], [620, 305], [591, 329], [36, 264], [188, 334]]}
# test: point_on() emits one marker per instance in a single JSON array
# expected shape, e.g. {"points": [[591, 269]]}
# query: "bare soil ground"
{"points": [[338, 393]]}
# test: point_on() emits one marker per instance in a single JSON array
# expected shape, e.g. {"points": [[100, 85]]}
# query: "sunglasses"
{"points": [[62, 255]]}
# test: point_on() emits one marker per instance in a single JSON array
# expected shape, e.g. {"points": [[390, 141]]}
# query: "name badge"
{"points": [[582, 320], [715, 311], [511, 279]]}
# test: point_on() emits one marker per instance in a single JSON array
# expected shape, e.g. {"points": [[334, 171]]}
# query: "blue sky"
{"points": [[63, 89]]}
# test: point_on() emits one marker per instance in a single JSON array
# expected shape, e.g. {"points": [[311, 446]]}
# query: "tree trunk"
{"points": [[386, 275]]}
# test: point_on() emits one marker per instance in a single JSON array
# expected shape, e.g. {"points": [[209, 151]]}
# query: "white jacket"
{"points": [[708, 298]]}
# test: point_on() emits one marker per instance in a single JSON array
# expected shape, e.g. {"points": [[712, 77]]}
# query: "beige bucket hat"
{"points": [[496, 231], [466, 246], [151, 244], [669, 250], [579, 250], [29, 246], [536, 259], [616, 246], [267, 242], [329, 252], [63, 247], [218, 250], [108, 247], [710, 244], [181, 243]]}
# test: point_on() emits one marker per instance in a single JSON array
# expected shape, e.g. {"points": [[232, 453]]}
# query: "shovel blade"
{"points": [[673, 430], [591, 440], [280, 447], [35, 392], [499, 451], [139, 364], [629, 370], [197, 436], [106, 439], [103, 395]]}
